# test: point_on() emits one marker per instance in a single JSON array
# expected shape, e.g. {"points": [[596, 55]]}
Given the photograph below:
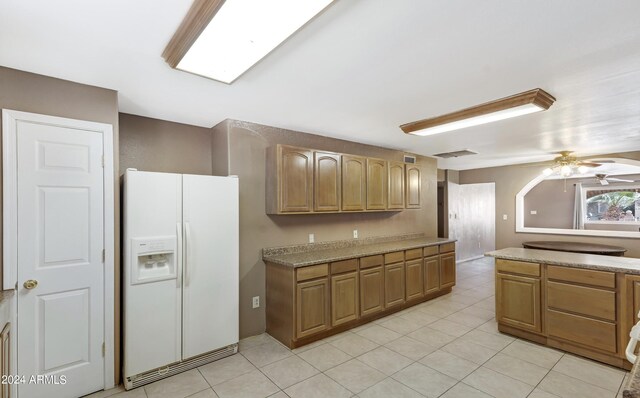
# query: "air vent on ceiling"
{"points": [[455, 154], [409, 159]]}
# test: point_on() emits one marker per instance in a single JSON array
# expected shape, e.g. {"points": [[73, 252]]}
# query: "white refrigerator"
{"points": [[180, 273]]}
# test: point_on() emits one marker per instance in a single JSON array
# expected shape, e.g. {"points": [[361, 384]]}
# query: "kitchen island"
{"points": [[580, 303], [317, 290]]}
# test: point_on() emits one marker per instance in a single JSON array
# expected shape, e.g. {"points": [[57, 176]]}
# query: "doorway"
{"points": [[58, 252]]}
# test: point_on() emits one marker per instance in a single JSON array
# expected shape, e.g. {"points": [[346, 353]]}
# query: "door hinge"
{"points": [[102, 161], [103, 348], [104, 255]]}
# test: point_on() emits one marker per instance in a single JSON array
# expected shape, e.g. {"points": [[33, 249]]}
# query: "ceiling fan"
{"points": [[604, 179], [566, 165]]}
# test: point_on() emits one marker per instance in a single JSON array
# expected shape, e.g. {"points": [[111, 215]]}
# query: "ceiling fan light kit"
{"points": [[567, 165], [531, 101]]}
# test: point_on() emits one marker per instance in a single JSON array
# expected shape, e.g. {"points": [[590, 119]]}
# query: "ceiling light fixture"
{"points": [[222, 39], [516, 105], [567, 164]]}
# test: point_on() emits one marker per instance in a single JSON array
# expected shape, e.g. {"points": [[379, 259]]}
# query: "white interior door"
{"points": [[60, 230], [210, 267]]}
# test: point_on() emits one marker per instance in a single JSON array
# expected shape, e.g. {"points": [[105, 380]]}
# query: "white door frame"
{"points": [[10, 120]]}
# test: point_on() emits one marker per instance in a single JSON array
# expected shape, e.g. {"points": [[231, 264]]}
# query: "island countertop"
{"points": [[576, 260], [312, 257]]}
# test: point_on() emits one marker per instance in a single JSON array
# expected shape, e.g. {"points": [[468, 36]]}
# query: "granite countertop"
{"points": [[326, 255], [577, 260]]}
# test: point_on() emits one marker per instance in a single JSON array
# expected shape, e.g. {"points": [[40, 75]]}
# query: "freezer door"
{"points": [[210, 272], [152, 270]]}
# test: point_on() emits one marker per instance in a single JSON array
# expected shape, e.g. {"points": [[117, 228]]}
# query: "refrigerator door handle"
{"points": [[179, 259], [187, 252]]}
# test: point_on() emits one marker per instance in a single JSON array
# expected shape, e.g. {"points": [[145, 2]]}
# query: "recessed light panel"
{"points": [[531, 101], [242, 32]]}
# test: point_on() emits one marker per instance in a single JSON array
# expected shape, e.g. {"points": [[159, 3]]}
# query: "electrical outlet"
{"points": [[505, 217], [534, 212], [256, 302], [355, 234], [312, 238]]}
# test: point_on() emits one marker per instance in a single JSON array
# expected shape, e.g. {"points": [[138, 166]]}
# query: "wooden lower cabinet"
{"points": [[518, 302], [371, 291], [312, 307], [414, 279], [308, 303], [584, 311], [447, 270], [631, 299], [431, 274], [344, 298], [394, 284]]}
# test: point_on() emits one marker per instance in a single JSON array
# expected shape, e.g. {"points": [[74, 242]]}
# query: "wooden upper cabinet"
{"points": [[376, 184], [413, 186], [327, 184], [354, 177], [395, 198], [295, 179], [303, 181]]}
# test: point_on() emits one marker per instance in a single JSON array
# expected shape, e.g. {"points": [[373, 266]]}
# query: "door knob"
{"points": [[30, 284]]}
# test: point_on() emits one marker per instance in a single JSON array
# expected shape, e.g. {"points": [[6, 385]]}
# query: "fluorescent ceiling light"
{"points": [[516, 105], [236, 35]]}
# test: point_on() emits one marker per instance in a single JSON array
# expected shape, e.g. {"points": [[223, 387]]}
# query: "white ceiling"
{"points": [[362, 68]]}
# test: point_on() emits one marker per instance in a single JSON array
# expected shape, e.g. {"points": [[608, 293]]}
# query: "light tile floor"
{"points": [[448, 347]]}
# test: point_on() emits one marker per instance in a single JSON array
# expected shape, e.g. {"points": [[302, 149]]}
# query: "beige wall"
{"points": [[247, 144], [157, 145], [28, 92], [509, 181], [553, 204]]}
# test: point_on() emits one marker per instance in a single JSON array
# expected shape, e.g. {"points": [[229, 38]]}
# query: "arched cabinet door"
{"points": [[354, 194], [413, 186], [376, 184], [295, 172], [395, 190], [327, 184]]}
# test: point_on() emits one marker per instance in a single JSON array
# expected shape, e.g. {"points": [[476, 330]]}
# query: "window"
{"points": [[614, 204]]}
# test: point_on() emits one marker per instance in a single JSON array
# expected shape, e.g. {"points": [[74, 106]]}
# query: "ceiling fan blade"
{"points": [[604, 161], [589, 164], [603, 182], [620, 180]]}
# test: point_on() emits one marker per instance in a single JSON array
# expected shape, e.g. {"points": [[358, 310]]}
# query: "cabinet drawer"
{"points": [[370, 261], [344, 266], [578, 329], [584, 276], [430, 251], [582, 300], [518, 267], [448, 247], [413, 254], [394, 257], [312, 272]]}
